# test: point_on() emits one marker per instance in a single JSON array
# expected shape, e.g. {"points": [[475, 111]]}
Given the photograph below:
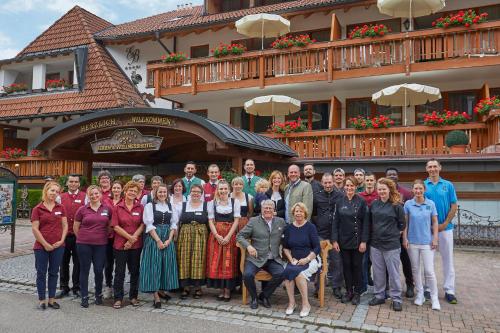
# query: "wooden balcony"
{"points": [[396, 142], [417, 51], [39, 167]]}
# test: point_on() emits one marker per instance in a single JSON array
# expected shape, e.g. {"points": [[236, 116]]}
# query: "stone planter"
{"points": [[458, 149]]}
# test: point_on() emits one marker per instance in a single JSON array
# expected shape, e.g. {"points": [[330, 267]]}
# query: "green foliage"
{"points": [[34, 197], [456, 138], [229, 175]]}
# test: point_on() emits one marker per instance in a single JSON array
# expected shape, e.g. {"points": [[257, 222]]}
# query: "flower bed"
{"points": [[15, 88], [174, 57], [288, 41], [56, 84], [462, 18], [362, 123], [484, 106], [373, 30], [445, 118], [288, 127], [228, 49]]}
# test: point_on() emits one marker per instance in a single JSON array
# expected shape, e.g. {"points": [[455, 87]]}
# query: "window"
{"points": [[199, 51], [202, 113], [231, 5], [70, 77], [322, 35], [420, 110], [463, 101], [425, 22], [52, 76], [316, 115], [493, 12], [393, 112], [255, 44], [494, 92], [394, 25], [365, 108], [241, 119]]}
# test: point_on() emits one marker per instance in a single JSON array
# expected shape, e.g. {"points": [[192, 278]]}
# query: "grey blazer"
{"points": [[257, 231]]}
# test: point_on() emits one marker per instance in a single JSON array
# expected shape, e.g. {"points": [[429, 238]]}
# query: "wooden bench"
{"points": [[265, 276]]}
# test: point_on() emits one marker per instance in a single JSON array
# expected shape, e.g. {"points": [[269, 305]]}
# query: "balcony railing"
{"points": [[390, 142], [39, 167], [414, 51]]}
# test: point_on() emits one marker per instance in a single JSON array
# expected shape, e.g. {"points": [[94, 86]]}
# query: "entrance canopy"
{"points": [[153, 136]]}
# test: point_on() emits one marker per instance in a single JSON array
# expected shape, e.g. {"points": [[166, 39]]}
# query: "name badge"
{"points": [[208, 195], [135, 214], [57, 213], [104, 214], [78, 201], [197, 213]]}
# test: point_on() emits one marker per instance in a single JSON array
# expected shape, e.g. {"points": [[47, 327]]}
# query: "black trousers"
{"points": [[110, 262], [70, 252], [126, 259], [272, 267], [406, 263], [352, 262]]}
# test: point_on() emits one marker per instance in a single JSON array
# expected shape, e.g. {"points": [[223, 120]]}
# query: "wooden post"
{"points": [[485, 91], [262, 72], [157, 83], [330, 64], [237, 164], [194, 80], [335, 113], [335, 29], [408, 52]]}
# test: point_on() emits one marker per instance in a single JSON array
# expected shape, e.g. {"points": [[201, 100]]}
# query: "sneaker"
{"points": [[450, 298], [410, 291], [419, 300], [347, 297], [376, 301], [355, 299], [85, 302], [435, 305], [427, 295], [108, 293], [397, 306], [98, 300], [337, 293]]}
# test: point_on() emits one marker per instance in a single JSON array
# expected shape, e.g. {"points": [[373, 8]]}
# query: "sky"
{"points": [[21, 21]]}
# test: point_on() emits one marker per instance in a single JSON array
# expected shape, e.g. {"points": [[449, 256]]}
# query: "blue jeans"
{"points": [[95, 255], [47, 262]]}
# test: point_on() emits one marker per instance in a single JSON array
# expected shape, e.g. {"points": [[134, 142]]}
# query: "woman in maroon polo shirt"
{"points": [[50, 226], [91, 227], [128, 227]]}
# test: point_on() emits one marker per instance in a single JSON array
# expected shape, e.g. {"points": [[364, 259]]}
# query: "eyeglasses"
{"points": [[195, 192]]}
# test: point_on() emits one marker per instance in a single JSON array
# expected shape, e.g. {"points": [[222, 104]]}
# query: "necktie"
{"points": [[249, 181], [213, 186]]}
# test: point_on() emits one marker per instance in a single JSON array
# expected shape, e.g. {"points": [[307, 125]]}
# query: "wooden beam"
{"points": [[336, 29], [335, 113], [485, 91]]}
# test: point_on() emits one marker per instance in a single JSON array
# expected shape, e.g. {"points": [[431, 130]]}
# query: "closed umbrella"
{"points": [[263, 25], [272, 105], [405, 95], [409, 8]]}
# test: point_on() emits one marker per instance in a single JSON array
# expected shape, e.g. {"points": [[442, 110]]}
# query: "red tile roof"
{"points": [[105, 87], [190, 17]]}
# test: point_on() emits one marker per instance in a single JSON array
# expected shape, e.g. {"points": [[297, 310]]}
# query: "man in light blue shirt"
{"points": [[442, 192]]}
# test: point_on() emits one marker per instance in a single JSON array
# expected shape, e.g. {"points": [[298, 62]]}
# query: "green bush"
{"points": [[34, 197], [456, 138]]}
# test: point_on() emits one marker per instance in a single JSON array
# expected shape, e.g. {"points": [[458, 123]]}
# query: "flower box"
{"points": [[484, 106], [288, 41], [286, 127], [51, 85], [462, 18], [16, 89], [437, 119], [373, 30], [362, 123], [228, 49], [173, 57], [9, 153]]}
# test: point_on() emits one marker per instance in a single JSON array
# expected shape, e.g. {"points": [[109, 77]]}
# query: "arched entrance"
{"points": [[151, 136]]}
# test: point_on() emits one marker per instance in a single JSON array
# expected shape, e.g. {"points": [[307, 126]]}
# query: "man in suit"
{"points": [[297, 190], [261, 238]]}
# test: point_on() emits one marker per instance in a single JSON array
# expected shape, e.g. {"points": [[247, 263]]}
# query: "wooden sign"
{"points": [[126, 140]]}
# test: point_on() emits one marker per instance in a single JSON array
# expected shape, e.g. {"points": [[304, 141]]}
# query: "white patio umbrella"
{"points": [[405, 95], [272, 105], [409, 8], [263, 25]]}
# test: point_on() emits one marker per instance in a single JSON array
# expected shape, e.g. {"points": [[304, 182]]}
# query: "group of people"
{"points": [[185, 235]]}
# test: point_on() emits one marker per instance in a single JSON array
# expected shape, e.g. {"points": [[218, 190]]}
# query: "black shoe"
{"points": [[76, 293], [253, 304], [355, 299], [98, 300], [85, 302], [157, 305], [42, 306], [450, 298], [410, 291], [62, 293], [165, 296], [337, 293], [397, 306], [376, 301], [54, 305], [264, 301], [427, 295], [347, 297]]}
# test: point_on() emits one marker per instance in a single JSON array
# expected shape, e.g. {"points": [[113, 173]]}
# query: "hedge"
{"points": [[34, 197]]}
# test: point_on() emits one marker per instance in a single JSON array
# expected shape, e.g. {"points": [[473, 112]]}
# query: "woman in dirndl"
{"points": [[222, 253], [192, 243], [159, 262], [245, 199]]}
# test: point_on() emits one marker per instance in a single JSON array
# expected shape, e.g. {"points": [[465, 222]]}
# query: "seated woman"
{"points": [[301, 247]]}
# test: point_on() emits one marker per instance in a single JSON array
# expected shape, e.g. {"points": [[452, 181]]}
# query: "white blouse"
{"points": [[224, 209], [276, 196], [190, 208], [148, 215], [244, 202]]}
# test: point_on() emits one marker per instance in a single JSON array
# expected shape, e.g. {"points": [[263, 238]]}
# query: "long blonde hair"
{"points": [[394, 195]]}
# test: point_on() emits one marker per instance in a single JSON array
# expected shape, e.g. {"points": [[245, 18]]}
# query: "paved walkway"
{"points": [[478, 292]]}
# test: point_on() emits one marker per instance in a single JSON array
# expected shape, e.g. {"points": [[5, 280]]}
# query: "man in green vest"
{"points": [[190, 179], [250, 179]]}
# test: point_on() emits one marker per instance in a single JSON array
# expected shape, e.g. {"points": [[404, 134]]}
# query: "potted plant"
{"points": [[446, 117], [373, 30], [9, 153], [462, 18], [228, 49], [288, 127], [16, 89], [484, 106], [173, 57], [457, 141], [362, 123], [56, 85]]}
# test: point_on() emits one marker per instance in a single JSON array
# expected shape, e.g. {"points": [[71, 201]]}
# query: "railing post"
{"points": [[330, 63], [157, 83], [408, 54], [262, 72], [194, 79]]}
